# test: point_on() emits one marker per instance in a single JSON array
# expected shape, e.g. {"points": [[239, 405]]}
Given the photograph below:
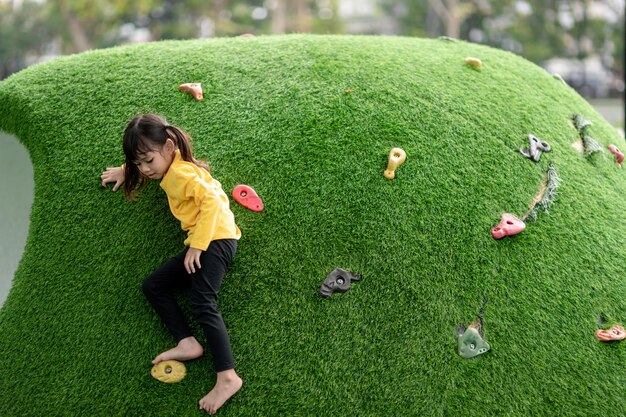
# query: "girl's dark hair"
{"points": [[148, 133]]}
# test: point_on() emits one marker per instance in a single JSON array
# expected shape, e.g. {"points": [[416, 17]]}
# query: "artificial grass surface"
{"points": [[78, 336]]}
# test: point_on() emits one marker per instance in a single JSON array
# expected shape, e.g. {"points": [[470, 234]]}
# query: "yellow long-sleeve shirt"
{"points": [[200, 203]]}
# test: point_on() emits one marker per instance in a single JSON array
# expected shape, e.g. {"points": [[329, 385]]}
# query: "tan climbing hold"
{"points": [[608, 335], [474, 62], [397, 157], [195, 89]]}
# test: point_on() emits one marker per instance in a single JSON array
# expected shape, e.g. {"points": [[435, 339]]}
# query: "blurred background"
{"points": [[581, 40]]}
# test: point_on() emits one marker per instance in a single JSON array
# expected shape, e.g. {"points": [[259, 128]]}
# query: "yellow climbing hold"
{"points": [[396, 158], [169, 371], [474, 62]]}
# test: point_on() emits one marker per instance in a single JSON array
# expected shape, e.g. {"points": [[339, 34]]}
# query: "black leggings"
{"points": [[205, 283]]}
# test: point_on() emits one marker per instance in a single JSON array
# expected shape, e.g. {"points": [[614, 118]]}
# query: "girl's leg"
{"points": [[205, 286], [159, 288]]}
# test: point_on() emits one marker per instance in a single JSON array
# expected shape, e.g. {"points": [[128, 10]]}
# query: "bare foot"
{"points": [[187, 349], [228, 383]]}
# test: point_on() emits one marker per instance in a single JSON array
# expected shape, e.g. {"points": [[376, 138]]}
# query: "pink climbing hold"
{"points": [[247, 197], [509, 226], [195, 89], [618, 154]]}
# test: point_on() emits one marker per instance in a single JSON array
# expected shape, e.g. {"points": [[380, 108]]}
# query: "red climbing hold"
{"points": [[618, 154], [195, 89], [509, 226], [247, 197]]}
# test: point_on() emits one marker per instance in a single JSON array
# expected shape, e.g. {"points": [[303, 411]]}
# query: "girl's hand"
{"points": [[115, 175], [192, 258]]}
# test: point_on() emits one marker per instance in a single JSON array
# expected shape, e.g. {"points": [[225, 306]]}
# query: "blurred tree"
{"points": [[71, 26], [437, 17], [536, 29], [302, 16], [85, 24], [24, 32], [325, 17], [619, 40], [299, 16], [530, 28], [412, 17], [452, 13], [279, 17]]}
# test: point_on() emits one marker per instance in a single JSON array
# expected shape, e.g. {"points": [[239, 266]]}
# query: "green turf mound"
{"points": [[77, 335]]}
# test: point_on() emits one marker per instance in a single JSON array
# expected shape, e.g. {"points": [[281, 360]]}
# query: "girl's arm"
{"points": [[209, 216], [115, 175]]}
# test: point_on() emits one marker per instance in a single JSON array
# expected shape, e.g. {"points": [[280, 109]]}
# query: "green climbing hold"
{"points": [[471, 344], [589, 143]]}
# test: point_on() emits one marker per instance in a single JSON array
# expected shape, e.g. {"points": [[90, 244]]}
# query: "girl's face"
{"points": [[154, 164]]}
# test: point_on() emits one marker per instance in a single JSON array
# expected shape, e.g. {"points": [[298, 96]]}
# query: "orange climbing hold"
{"points": [[195, 89]]}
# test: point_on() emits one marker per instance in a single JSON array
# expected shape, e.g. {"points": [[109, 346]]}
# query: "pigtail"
{"points": [[183, 142]]}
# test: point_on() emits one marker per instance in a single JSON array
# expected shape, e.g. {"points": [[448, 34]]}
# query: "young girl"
{"points": [[156, 150]]}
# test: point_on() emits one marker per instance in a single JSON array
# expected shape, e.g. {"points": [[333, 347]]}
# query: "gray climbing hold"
{"points": [[536, 147], [472, 341], [338, 281], [589, 144]]}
